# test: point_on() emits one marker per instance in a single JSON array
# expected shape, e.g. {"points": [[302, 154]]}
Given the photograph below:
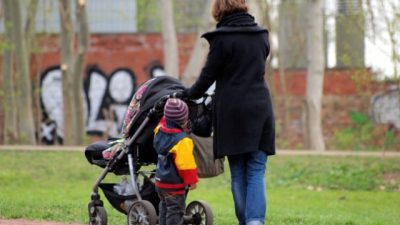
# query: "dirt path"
{"points": [[343, 153], [31, 222]]}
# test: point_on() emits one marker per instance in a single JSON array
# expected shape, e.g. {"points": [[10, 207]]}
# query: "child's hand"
{"points": [[193, 186]]}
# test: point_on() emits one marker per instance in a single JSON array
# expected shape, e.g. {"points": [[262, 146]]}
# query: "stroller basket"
{"points": [[121, 202]]}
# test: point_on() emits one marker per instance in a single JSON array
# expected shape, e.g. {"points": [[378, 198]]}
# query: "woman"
{"points": [[243, 119]]}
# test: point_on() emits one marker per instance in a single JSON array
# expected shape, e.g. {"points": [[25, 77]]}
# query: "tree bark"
{"points": [[315, 74], [69, 110], [200, 49], [23, 82], [282, 76], [392, 25], [30, 25], [79, 66], [170, 41], [30, 39], [9, 104]]}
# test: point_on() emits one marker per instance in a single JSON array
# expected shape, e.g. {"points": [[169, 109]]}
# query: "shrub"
{"points": [[363, 134]]}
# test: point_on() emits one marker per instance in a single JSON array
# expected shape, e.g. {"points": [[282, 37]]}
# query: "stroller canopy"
{"points": [[144, 99]]}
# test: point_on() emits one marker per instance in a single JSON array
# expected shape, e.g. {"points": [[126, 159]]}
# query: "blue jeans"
{"points": [[249, 187]]}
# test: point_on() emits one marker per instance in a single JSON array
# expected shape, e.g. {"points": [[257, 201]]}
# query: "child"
{"points": [[176, 168]]}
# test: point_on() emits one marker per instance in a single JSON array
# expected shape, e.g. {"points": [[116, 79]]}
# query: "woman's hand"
{"points": [[180, 94]]}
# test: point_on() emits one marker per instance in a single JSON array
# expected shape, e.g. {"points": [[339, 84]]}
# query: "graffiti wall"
{"points": [[385, 108], [106, 98], [118, 63]]}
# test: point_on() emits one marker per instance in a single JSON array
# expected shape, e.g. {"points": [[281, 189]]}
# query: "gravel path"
{"points": [[343, 153], [31, 222]]}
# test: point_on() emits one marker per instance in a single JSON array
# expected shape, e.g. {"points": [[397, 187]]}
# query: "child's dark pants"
{"points": [[171, 208]]}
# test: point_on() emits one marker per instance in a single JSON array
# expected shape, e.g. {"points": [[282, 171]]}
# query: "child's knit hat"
{"points": [[176, 110]]}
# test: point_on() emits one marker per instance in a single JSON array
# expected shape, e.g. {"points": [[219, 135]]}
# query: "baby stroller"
{"points": [[133, 152]]}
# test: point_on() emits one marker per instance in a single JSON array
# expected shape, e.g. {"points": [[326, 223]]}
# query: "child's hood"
{"points": [[165, 138]]}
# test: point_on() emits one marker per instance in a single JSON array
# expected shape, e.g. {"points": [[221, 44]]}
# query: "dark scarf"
{"points": [[237, 22], [241, 19]]}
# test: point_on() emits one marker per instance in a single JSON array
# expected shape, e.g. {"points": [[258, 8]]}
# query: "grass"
{"points": [[301, 189]]}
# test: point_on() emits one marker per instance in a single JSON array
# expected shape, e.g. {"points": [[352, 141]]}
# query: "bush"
{"points": [[363, 134]]}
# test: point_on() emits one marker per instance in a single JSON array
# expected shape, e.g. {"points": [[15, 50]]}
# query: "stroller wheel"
{"points": [[99, 216], [199, 213], [142, 213]]}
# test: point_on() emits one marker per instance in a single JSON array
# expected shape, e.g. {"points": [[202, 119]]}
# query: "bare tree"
{"points": [[30, 28], [384, 20], [282, 68], [171, 57], [72, 66], [315, 74], [23, 84], [67, 68], [32, 48], [79, 67], [200, 49], [393, 25], [9, 104]]}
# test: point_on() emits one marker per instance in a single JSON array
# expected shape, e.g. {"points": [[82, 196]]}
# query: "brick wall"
{"points": [[111, 51], [344, 91]]}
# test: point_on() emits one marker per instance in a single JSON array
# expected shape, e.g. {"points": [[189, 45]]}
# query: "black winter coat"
{"points": [[243, 118]]}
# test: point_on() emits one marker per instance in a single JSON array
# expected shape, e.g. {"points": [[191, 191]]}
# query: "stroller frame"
{"points": [[141, 212]]}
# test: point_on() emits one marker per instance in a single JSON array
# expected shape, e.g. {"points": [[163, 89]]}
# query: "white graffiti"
{"points": [[108, 98], [386, 108], [52, 103], [97, 88], [158, 72], [121, 87]]}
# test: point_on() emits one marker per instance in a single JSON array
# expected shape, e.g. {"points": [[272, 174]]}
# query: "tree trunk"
{"points": [[171, 57], [67, 32], [30, 25], [282, 76], [266, 20], [23, 83], [80, 62], [392, 25], [200, 49], [9, 105], [315, 74], [30, 40]]}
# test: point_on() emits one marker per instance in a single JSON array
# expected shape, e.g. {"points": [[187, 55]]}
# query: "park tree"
{"points": [[30, 25], [170, 41], [285, 15], [383, 17], [200, 48], [315, 75], [72, 65], [23, 89], [9, 103]]}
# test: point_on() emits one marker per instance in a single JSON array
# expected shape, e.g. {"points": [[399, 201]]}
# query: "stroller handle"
{"points": [[159, 106]]}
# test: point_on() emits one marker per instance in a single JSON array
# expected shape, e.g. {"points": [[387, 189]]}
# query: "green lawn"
{"points": [[301, 189]]}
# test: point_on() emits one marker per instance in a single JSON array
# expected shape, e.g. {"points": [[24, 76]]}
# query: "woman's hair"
{"points": [[223, 8]]}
